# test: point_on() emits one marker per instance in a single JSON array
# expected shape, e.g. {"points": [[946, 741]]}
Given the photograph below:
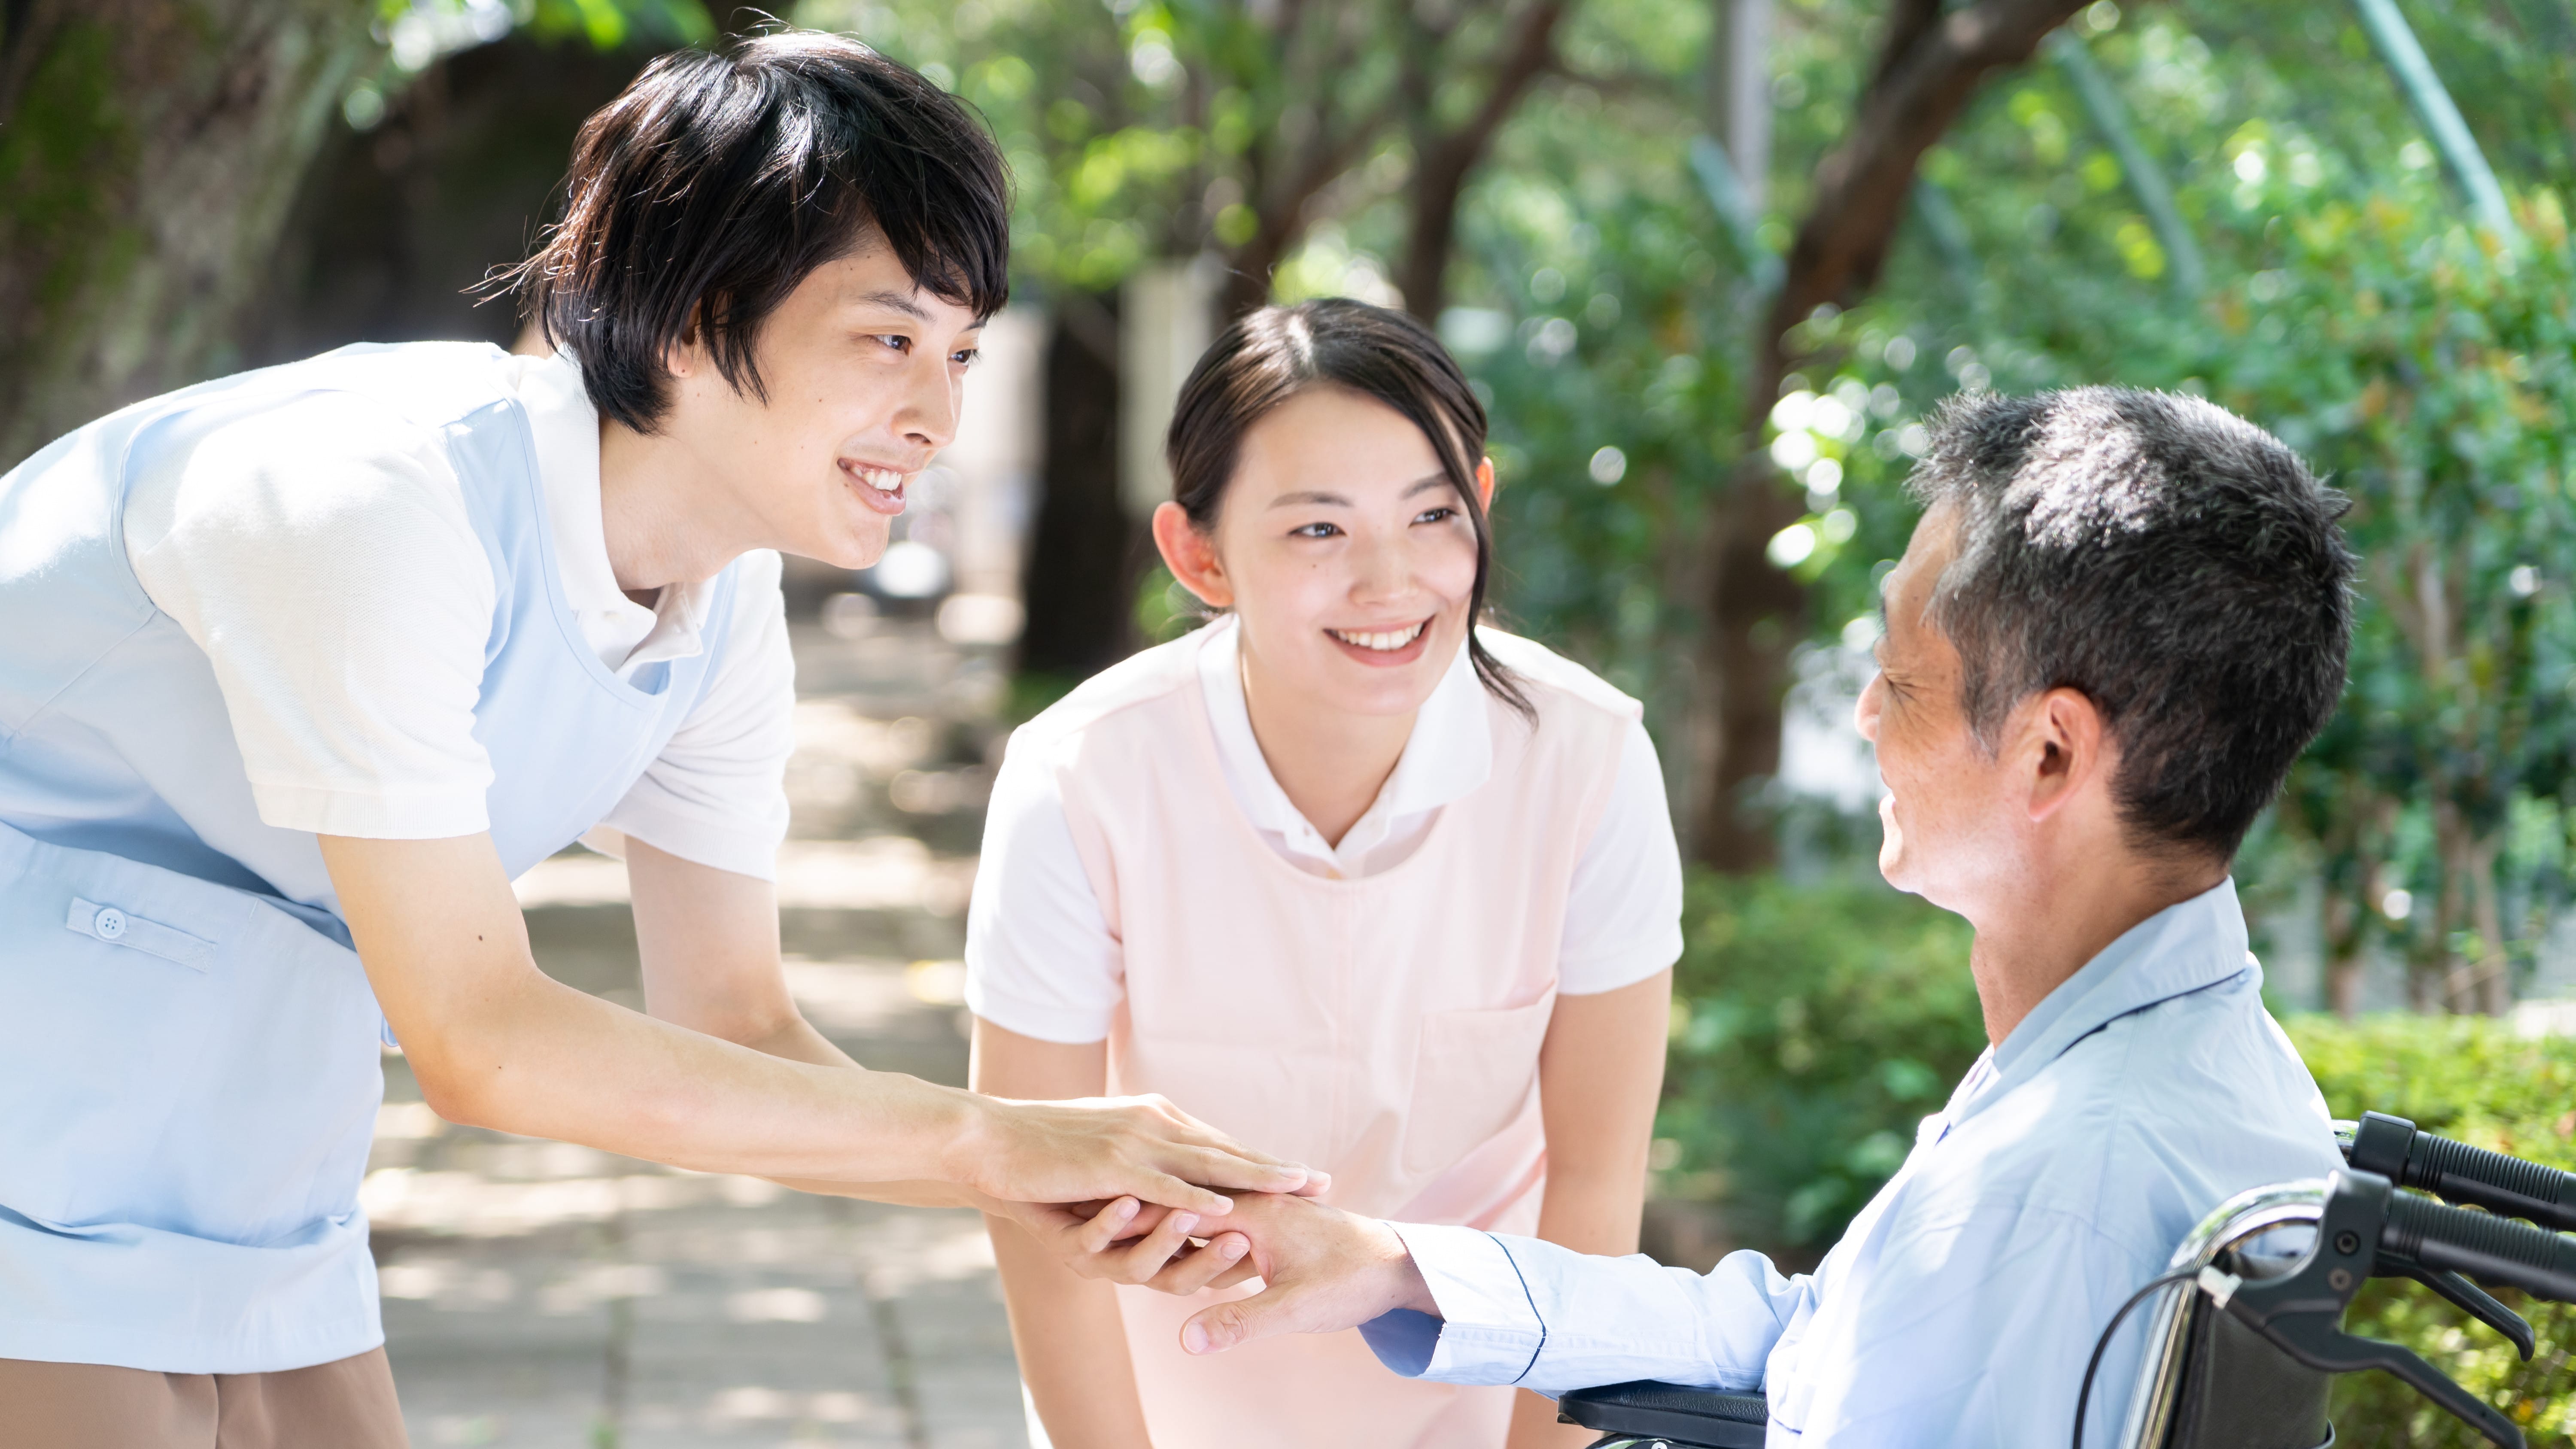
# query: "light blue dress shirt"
{"points": [[1961, 1305]]}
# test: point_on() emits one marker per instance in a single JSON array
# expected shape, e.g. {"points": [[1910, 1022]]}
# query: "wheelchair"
{"points": [[2244, 1337]]}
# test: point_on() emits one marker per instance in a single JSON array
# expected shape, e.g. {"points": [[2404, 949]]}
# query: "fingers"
{"points": [[1221, 1168], [1244, 1271], [1107, 1226], [1225, 1162], [1231, 1325], [1221, 1258], [1168, 1191], [1141, 1261]]}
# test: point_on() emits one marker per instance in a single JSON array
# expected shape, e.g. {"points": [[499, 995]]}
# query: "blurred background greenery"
{"points": [[1710, 262]]}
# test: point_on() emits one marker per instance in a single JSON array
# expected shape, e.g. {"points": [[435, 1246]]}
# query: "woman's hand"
{"points": [[1125, 1241], [1104, 1148]]}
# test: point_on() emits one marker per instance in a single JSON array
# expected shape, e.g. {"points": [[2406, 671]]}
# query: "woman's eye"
{"points": [[1441, 514], [1315, 530]]}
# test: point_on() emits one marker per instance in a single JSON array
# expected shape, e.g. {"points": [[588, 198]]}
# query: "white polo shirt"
{"points": [[1041, 961], [322, 555]]}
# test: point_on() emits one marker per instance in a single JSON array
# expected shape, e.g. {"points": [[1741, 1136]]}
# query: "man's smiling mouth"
{"points": [[1383, 640], [884, 480]]}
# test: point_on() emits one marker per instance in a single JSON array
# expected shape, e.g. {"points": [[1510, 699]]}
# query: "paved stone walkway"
{"points": [[542, 1294]]}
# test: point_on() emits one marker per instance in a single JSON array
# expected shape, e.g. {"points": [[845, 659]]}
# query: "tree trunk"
{"points": [[1422, 273], [1247, 271], [1079, 582], [1931, 65], [2344, 918], [396, 225], [149, 150], [2492, 992], [1442, 161], [1758, 613]]}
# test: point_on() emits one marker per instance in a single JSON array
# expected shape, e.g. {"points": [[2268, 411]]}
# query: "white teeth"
{"points": [[884, 480], [1384, 641]]}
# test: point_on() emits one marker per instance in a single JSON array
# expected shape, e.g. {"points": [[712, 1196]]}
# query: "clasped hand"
{"points": [[1321, 1269]]}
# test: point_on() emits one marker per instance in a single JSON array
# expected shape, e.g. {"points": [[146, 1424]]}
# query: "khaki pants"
{"points": [[344, 1405]]}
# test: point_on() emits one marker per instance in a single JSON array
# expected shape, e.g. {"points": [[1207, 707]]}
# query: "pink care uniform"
{"points": [[1376, 1010]]}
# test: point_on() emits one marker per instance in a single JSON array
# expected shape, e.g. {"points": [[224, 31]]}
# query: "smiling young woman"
{"points": [[1343, 870]]}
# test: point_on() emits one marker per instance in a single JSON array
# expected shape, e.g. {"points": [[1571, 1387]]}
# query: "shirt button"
{"points": [[110, 923]]}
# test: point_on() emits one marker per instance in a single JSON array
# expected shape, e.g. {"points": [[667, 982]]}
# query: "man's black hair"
{"points": [[720, 180], [2174, 563]]}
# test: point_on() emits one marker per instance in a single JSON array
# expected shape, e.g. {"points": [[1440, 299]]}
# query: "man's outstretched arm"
{"points": [[496, 1043], [1468, 1307]]}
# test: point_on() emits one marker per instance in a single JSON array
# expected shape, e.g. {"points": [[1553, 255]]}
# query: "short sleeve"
{"points": [[1040, 958], [1623, 913], [717, 794], [321, 555]]}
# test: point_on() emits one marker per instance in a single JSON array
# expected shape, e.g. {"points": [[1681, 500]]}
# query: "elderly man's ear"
{"points": [[2065, 749]]}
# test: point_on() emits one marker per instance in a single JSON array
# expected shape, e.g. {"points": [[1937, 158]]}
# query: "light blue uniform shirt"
{"points": [[1960, 1306], [189, 1066]]}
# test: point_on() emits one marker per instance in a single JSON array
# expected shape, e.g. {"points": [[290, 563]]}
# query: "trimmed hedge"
{"points": [[2470, 1078]]}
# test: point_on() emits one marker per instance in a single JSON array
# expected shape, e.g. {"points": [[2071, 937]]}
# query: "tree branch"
{"points": [[1441, 162], [1861, 188]]}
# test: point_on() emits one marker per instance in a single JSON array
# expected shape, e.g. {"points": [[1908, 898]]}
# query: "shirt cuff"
{"points": [[1065, 1025], [433, 814], [1489, 1331], [745, 849], [1624, 964]]}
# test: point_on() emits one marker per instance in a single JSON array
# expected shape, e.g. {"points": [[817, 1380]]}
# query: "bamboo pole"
{"points": [[2432, 101]]}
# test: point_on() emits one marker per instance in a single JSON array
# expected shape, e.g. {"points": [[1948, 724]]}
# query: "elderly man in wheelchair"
{"points": [[2122, 617]]}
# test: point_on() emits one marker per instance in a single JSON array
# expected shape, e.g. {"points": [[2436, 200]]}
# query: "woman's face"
{"points": [[1346, 552]]}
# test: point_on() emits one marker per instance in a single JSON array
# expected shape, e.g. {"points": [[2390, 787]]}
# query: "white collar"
{"points": [[1449, 754], [564, 427]]}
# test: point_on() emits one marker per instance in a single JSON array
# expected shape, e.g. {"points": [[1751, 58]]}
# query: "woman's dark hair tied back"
{"points": [[1272, 355], [719, 180]]}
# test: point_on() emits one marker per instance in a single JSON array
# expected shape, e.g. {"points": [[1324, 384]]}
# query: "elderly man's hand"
{"points": [[1322, 1269]]}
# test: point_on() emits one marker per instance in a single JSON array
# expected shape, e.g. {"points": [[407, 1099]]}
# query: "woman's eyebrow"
{"points": [[1307, 498]]}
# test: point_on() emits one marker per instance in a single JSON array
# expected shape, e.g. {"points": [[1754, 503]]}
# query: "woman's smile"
{"points": [[1386, 647]]}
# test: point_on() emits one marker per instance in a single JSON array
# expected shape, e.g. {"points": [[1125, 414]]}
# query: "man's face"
{"points": [[1945, 812], [865, 372]]}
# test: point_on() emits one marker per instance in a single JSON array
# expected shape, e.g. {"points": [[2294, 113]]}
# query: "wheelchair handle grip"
{"points": [[2482, 1246], [2395, 1149]]}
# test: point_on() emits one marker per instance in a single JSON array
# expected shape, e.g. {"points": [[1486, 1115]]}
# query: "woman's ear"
{"points": [[1191, 556], [1485, 483]]}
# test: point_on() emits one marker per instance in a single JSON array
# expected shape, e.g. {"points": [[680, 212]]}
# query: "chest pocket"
{"points": [[1472, 1074]]}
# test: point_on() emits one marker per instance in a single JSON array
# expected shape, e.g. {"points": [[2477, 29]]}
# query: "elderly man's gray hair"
{"points": [[2174, 563]]}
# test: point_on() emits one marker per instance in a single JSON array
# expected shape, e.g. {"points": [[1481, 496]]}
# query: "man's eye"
{"points": [[967, 356], [1315, 530], [894, 340]]}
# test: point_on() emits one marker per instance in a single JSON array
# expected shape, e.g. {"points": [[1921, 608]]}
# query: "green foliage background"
{"points": [[2426, 366]]}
